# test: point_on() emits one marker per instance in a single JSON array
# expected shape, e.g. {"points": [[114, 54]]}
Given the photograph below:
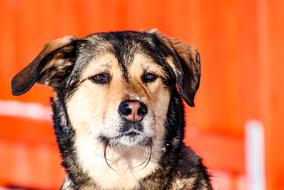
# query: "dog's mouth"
{"points": [[129, 134], [132, 134], [128, 139]]}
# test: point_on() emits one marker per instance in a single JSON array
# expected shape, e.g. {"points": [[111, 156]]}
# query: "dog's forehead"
{"points": [[108, 61], [123, 44], [123, 41], [121, 49]]}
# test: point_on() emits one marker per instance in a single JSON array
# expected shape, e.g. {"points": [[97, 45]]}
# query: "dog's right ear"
{"points": [[186, 65], [49, 67]]}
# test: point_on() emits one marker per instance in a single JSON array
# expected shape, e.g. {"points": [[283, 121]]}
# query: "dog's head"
{"points": [[116, 86]]}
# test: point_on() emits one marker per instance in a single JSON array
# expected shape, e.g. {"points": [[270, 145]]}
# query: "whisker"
{"points": [[105, 156], [145, 160], [149, 157]]}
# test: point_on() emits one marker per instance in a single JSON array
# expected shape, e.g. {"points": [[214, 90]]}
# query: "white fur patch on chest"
{"points": [[127, 166]]}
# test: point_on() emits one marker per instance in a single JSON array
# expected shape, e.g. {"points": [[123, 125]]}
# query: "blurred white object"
{"points": [[255, 165], [26, 110]]}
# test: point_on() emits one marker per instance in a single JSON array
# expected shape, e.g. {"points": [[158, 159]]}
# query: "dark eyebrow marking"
{"points": [[121, 61]]}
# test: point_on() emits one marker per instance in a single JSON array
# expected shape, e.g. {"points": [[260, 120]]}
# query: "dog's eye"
{"points": [[101, 78], [149, 77]]}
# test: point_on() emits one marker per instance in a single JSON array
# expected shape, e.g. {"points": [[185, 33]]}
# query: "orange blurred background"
{"points": [[240, 43]]}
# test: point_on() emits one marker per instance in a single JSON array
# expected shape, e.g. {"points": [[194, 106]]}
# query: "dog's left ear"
{"points": [[48, 68], [185, 64]]}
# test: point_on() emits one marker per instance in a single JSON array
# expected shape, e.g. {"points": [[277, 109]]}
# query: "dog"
{"points": [[118, 109]]}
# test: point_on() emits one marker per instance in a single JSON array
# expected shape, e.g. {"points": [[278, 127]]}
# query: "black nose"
{"points": [[132, 110]]}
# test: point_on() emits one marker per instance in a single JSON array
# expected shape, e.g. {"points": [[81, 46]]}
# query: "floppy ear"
{"points": [[186, 66], [49, 67]]}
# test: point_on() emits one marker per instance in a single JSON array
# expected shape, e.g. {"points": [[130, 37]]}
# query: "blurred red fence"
{"points": [[240, 42]]}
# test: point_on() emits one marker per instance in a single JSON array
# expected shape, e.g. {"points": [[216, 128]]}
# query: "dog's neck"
{"points": [[126, 162]]}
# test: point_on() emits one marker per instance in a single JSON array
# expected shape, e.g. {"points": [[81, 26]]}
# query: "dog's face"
{"points": [[122, 96], [116, 86]]}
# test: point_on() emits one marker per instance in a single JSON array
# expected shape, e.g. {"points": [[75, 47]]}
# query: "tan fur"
{"points": [[185, 184], [60, 42], [170, 61], [98, 106]]}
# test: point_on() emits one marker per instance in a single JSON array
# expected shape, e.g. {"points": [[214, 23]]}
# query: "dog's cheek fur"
{"points": [[65, 135], [158, 103], [85, 108], [155, 94]]}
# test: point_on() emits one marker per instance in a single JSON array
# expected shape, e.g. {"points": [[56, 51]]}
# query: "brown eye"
{"points": [[149, 77], [101, 78]]}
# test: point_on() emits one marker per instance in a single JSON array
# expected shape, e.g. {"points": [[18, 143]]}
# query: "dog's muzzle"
{"points": [[131, 130]]}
